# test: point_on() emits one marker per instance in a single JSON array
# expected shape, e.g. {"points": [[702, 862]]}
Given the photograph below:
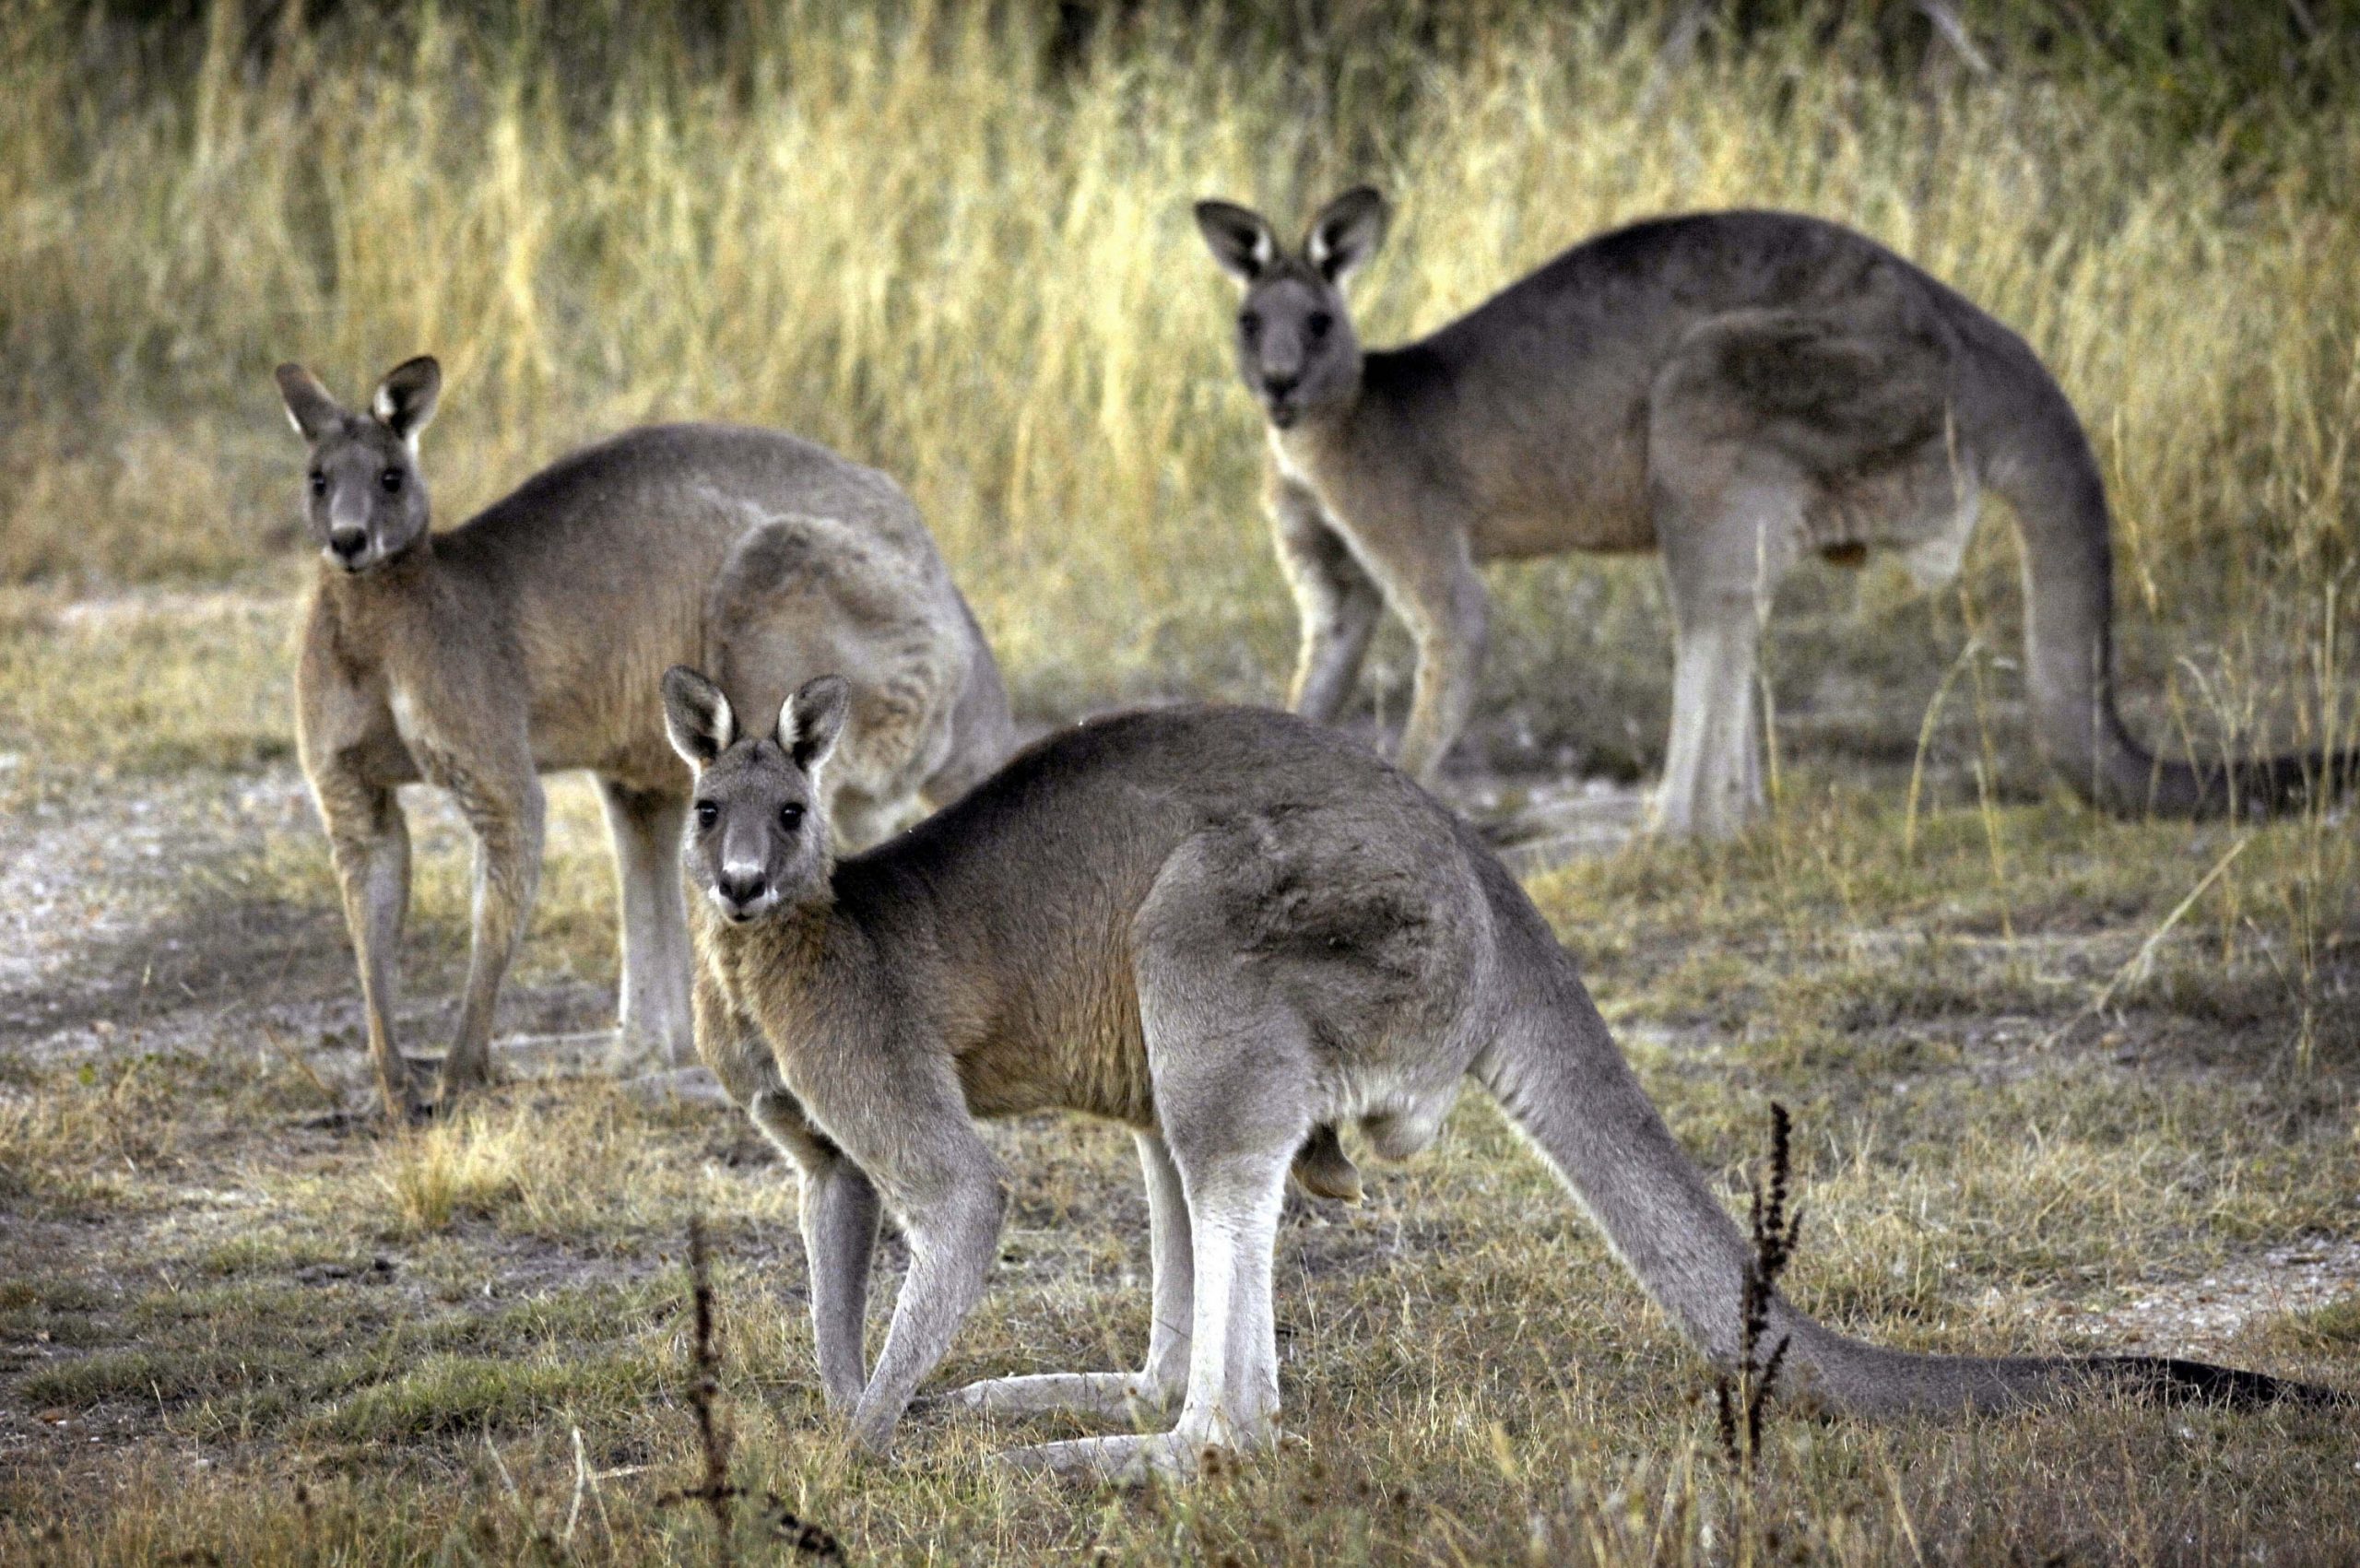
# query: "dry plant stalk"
{"points": [[1741, 1402], [718, 1492]]}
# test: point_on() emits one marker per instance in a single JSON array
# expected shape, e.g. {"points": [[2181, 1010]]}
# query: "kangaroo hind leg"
{"points": [[1154, 1387], [1723, 558], [645, 826], [1234, 1092]]}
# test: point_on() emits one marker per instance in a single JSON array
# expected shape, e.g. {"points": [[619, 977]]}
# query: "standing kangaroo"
{"points": [[530, 639], [1731, 388], [1229, 930]]}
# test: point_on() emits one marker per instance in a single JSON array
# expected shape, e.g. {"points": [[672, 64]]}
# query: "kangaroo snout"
{"points": [[347, 544], [1277, 397], [741, 892]]}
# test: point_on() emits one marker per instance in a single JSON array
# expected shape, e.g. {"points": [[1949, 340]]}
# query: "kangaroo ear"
{"points": [[809, 721], [405, 400], [697, 717], [1346, 233], [309, 409], [1240, 238]]}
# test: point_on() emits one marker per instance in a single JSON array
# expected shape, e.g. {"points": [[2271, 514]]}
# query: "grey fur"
{"points": [[1732, 389], [1228, 929], [530, 639]]}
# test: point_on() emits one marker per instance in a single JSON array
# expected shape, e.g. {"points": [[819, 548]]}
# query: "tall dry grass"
{"points": [[934, 238]]}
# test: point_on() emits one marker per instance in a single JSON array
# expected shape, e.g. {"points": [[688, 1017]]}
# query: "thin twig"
{"points": [[2143, 963], [716, 1493], [1740, 1403], [1953, 32]]}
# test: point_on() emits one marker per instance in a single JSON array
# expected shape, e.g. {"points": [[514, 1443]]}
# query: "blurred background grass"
{"points": [[953, 240]]}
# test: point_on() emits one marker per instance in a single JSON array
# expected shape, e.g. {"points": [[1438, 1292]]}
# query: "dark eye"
{"points": [[1319, 322], [707, 813], [319, 484], [392, 479], [1250, 324], [790, 816]]}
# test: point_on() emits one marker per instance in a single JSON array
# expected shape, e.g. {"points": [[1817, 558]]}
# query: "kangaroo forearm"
{"points": [[840, 1223], [953, 1238], [945, 1277], [369, 846]]}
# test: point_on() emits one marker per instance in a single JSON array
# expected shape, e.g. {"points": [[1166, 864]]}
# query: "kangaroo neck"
{"points": [[785, 968], [1320, 440], [382, 610]]}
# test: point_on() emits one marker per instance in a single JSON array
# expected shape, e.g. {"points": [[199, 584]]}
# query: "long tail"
{"points": [[2050, 479], [1558, 1075]]}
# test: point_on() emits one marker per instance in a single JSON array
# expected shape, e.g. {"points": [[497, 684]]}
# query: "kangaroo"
{"points": [[1730, 388], [1230, 931], [530, 639]]}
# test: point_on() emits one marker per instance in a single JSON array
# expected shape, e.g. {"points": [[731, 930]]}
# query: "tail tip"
{"points": [[2177, 1381]]}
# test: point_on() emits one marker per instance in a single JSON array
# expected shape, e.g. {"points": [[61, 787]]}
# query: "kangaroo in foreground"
{"points": [[530, 639], [1229, 930], [1730, 388]]}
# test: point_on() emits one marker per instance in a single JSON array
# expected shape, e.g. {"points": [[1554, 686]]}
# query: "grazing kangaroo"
{"points": [[530, 639], [1730, 388], [1229, 930]]}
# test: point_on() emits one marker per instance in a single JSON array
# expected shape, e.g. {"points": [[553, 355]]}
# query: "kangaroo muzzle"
{"points": [[741, 891]]}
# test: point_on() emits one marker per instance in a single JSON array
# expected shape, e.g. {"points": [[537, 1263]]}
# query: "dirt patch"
{"points": [[2205, 1315]]}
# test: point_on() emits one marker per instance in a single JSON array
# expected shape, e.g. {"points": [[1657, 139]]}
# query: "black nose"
{"points": [[740, 887], [348, 543], [1278, 386]]}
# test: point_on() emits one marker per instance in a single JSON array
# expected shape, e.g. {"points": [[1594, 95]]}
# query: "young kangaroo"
{"points": [[1229, 930], [530, 639], [1730, 388]]}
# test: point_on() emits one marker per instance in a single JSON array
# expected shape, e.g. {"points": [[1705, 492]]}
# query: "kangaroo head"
{"points": [[755, 840], [367, 504], [1295, 345]]}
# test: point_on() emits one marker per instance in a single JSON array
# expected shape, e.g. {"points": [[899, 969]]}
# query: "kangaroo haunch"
{"points": [[1232, 931], [1732, 389], [530, 639]]}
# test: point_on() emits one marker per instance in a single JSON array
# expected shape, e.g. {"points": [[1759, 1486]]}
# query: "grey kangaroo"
{"points": [[530, 639], [1230, 931], [1730, 388]]}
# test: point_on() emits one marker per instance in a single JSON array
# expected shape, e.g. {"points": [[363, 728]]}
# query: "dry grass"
{"points": [[384, 1342], [2043, 1065], [921, 235]]}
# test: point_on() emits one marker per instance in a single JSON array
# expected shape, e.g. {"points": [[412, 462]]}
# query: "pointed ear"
{"points": [[405, 400], [1346, 233], [697, 717], [1240, 238], [810, 721], [309, 409]]}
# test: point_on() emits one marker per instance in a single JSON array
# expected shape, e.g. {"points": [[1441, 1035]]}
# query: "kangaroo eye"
{"points": [[392, 479], [1250, 324], [1319, 322], [319, 484], [707, 813], [790, 816]]}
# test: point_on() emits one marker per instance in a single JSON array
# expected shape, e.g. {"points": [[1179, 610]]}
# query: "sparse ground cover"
{"points": [[2045, 1099], [2059, 1082]]}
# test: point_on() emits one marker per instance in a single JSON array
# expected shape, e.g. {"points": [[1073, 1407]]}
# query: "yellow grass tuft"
{"points": [[470, 1165]]}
